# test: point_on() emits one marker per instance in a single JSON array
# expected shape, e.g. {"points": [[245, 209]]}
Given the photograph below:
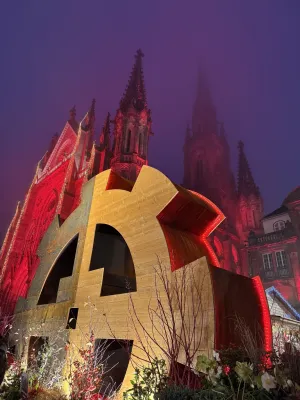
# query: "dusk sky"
{"points": [[58, 53]]}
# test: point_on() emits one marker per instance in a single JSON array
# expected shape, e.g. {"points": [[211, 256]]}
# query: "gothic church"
{"points": [[73, 158]]}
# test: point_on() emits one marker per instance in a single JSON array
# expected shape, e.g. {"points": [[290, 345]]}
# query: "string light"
{"points": [[69, 171]]}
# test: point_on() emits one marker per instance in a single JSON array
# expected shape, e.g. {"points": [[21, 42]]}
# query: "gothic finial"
{"points": [[105, 133], [241, 145], [222, 129], [246, 184], [72, 121], [188, 131], [89, 119], [139, 54], [135, 93], [73, 113], [92, 109]]}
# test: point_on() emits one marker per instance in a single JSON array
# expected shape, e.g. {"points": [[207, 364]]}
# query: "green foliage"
{"points": [[10, 388], [148, 381]]}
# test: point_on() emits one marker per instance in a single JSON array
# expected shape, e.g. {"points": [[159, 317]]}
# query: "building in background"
{"points": [[285, 321], [71, 160], [274, 253], [207, 170], [246, 242]]}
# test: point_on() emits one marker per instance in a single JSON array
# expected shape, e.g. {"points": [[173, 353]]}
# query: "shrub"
{"points": [[148, 381]]}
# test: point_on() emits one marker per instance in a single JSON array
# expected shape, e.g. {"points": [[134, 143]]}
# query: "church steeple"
{"points": [[250, 203], [204, 111], [89, 119], [246, 184], [72, 121], [132, 126], [105, 133], [135, 93]]}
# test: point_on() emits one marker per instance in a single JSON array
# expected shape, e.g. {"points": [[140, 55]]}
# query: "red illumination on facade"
{"points": [[70, 161]]}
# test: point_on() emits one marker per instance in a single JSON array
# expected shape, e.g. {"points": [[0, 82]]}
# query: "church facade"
{"points": [[72, 159]]}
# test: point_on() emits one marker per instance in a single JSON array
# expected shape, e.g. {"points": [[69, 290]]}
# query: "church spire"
{"points": [[135, 94], [188, 132], [105, 133], [204, 112], [89, 119], [246, 184], [72, 121]]}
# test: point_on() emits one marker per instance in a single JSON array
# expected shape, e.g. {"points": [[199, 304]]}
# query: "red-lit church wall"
{"points": [[22, 260]]}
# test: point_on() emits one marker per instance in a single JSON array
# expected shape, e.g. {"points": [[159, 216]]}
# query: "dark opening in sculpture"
{"points": [[110, 251], [114, 355], [62, 268]]}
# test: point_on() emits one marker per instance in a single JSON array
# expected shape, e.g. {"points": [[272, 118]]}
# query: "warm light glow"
{"points": [[266, 320]]}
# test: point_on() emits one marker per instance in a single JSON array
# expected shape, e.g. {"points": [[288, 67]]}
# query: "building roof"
{"points": [[294, 195], [278, 211], [278, 295]]}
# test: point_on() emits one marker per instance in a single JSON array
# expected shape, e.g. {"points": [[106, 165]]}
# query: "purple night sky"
{"points": [[59, 53]]}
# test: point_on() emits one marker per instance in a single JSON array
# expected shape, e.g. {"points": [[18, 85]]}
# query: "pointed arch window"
{"points": [[235, 254], [199, 169], [128, 141], [141, 147]]}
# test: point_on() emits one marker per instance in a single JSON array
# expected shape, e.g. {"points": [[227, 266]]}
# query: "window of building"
{"points": [[279, 225], [268, 265], [141, 147], [268, 262], [282, 263], [128, 141], [235, 254], [199, 169], [281, 259], [254, 219]]}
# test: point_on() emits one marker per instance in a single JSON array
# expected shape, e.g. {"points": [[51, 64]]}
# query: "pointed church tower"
{"points": [[88, 126], [204, 119], [249, 199], [207, 166], [104, 148], [132, 126]]}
